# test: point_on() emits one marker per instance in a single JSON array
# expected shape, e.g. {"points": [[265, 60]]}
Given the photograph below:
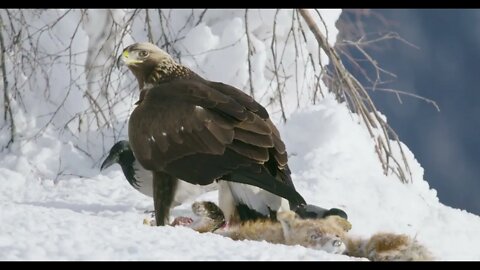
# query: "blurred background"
{"points": [[440, 64]]}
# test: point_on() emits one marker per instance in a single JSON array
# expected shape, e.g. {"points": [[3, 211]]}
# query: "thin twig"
{"points": [[364, 106], [6, 97], [275, 66], [399, 92], [249, 55]]}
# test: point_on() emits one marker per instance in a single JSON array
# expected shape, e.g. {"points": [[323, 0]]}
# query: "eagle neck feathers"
{"points": [[166, 71], [163, 72]]}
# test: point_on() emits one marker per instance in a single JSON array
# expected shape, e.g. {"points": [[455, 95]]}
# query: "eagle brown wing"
{"points": [[199, 132], [250, 104]]}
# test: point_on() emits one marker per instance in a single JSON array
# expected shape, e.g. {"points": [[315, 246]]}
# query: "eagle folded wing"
{"points": [[202, 119], [244, 99], [203, 131]]}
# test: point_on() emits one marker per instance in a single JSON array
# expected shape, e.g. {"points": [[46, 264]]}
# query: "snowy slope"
{"points": [[100, 217], [56, 205]]}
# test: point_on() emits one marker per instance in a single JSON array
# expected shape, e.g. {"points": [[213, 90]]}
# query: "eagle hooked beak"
{"points": [[126, 59]]}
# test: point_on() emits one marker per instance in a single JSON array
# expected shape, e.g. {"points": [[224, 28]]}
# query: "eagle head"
{"points": [[149, 63]]}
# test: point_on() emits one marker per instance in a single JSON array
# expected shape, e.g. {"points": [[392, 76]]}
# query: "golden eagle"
{"points": [[186, 127]]}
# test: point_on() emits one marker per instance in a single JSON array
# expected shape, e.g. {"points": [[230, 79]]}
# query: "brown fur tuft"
{"points": [[328, 234]]}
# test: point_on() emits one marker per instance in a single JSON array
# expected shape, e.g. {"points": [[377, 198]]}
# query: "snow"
{"points": [[57, 205]]}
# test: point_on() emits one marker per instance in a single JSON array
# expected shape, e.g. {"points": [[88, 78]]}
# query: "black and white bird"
{"points": [[142, 179]]}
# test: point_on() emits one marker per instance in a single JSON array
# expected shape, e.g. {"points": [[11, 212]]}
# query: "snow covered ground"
{"points": [[56, 205], [100, 217]]}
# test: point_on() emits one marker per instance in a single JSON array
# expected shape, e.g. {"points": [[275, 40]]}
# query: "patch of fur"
{"points": [[211, 217], [388, 247], [328, 234]]}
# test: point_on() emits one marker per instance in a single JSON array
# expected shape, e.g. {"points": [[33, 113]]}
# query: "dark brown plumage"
{"points": [[186, 127]]}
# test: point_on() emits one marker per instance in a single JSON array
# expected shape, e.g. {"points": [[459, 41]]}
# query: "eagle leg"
{"points": [[164, 187]]}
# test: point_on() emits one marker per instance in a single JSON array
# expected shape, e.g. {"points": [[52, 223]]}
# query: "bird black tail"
{"points": [[266, 181], [310, 211]]}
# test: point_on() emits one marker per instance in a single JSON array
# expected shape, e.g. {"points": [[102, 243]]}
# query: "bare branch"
{"points": [[6, 96], [200, 18], [363, 105], [399, 92], [275, 66], [249, 54]]}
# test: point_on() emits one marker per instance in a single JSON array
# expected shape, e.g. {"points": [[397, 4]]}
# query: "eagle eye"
{"points": [[143, 53]]}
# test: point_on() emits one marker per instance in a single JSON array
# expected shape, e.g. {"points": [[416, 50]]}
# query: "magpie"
{"points": [[142, 179]]}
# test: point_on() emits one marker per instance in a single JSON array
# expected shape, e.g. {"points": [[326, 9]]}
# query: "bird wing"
{"points": [[199, 132], [278, 150]]}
